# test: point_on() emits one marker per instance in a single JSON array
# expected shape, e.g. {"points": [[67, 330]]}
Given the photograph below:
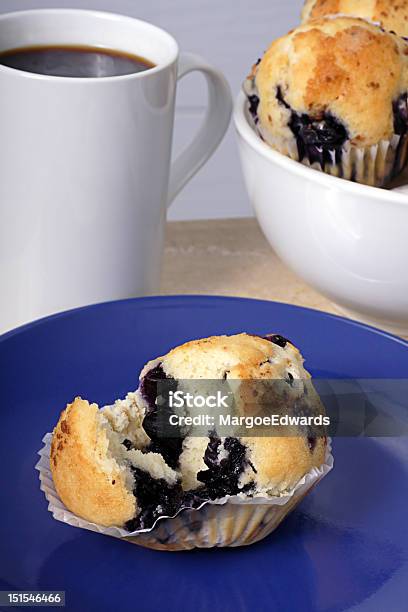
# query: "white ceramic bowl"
{"points": [[349, 241]]}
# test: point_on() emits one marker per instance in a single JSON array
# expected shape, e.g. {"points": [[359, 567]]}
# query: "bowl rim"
{"points": [[332, 182]]}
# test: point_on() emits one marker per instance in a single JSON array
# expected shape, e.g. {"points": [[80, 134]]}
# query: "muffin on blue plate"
{"points": [[332, 94], [392, 15], [112, 470]]}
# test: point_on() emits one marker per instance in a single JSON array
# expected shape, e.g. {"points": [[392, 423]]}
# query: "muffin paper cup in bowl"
{"points": [[375, 165], [230, 521]]}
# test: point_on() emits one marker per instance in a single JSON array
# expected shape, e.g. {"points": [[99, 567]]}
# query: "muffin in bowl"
{"points": [[113, 469], [332, 94], [392, 15]]}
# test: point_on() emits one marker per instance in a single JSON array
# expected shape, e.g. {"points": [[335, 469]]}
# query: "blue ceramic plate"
{"points": [[344, 548]]}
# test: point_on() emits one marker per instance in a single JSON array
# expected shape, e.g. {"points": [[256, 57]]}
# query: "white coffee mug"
{"points": [[85, 174]]}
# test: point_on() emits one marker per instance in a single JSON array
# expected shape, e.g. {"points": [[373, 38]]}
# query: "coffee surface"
{"points": [[74, 61]]}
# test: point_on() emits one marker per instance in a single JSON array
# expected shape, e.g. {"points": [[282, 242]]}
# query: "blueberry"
{"points": [[311, 441], [281, 99], [277, 339], [148, 387], [211, 452], [222, 476], [316, 137], [400, 108], [253, 106], [128, 444], [155, 498], [156, 421]]}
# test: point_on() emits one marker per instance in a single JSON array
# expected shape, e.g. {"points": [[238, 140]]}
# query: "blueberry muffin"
{"points": [[333, 95], [112, 467], [392, 15]]}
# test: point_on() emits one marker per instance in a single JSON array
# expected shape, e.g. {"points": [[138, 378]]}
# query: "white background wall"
{"points": [[231, 34]]}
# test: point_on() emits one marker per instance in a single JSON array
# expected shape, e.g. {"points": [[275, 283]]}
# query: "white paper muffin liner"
{"points": [[230, 521], [375, 165]]}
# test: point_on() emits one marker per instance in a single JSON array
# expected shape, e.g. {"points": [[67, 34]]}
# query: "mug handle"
{"points": [[214, 126]]}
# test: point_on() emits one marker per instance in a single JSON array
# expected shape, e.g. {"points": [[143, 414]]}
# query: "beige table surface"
{"points": [[231, 257]]}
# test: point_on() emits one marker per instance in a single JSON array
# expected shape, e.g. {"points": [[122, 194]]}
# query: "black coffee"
{"points": [[74, 61]]}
